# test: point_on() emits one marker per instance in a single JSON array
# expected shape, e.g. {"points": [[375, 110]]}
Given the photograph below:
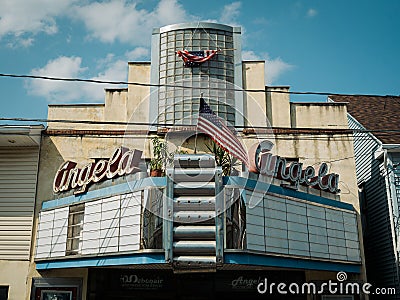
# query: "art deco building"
{"points": [[106, 229]]}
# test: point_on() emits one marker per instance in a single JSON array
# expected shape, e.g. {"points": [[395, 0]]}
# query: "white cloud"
{"points": [[21, 42], [230, 13], [311, 13], [138, 53], [115, 70], [169, 12], [53, 91], [109, 68], [250, 55], [122, 21], [274, 68], [108, 21], [20, 17]]}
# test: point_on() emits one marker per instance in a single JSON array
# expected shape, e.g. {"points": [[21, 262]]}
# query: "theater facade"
{"points": [[210, 225]]}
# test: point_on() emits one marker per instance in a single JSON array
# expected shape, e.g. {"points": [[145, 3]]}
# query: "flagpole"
{"points": [[195, 142], [195, 138]]}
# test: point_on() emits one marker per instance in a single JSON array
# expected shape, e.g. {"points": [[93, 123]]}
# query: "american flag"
{"points": [[215, 127], [195, 58]]}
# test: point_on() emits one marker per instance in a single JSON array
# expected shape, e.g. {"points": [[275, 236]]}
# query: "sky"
{"points": [[340, 46]]}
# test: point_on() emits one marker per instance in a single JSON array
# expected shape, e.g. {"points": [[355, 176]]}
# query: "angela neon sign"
{"points": [[262, 161], [122, 162]]}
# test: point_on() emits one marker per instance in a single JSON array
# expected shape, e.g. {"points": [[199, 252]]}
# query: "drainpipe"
{"points": [[393, 206]]}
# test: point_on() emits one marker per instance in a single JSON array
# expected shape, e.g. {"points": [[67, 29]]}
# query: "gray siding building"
{"points": [[376, 123], [19, 159]]}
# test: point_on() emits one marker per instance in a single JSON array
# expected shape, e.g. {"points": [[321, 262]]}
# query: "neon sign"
{"points": [[122, 162], [263, 162]]}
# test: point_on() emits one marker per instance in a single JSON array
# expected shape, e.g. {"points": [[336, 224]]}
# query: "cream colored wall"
{"points": [[132, 104], [129, 104], [254, 102], [119, 106], [139, 96], [55, 150], [14, 274], [88, 112], [278, 106], [82, 150], [115, 109], [336, 150], [313, 150], [81, 273], [319, 115]]}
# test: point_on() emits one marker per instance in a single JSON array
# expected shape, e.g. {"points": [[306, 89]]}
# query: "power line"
{"points": [[278, 138], [191, 87], [83, 122], [298, 139], [187, 87], [269, 129]]}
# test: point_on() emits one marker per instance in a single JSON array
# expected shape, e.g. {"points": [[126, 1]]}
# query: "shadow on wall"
{"points": [[49, 162], [378, 240]]}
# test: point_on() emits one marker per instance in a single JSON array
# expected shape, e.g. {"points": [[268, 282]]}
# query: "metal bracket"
{"points": [[219, 217], [168, 215]]}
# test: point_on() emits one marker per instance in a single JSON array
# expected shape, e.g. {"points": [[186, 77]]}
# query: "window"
{"points": [[396, 168], [3, 292], [52, 288], [219, 69], [55, 295], [75, 225]]}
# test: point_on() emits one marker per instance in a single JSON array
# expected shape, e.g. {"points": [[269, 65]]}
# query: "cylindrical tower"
{"points": [[178, 101]]}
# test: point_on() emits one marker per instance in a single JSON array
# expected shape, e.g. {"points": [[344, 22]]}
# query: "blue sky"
{"points": [[339, 46]]}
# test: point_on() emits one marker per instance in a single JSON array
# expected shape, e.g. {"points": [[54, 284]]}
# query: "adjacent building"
{"points": [[377, 153], [105, 229], [19, 159]]}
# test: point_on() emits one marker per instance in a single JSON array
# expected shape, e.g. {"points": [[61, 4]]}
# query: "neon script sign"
{"points": [[263, 162], [122, 162]]}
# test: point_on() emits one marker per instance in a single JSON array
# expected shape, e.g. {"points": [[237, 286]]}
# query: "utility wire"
{"points": [[301, 157], [314, 130], [187, 87], [297, 139]]}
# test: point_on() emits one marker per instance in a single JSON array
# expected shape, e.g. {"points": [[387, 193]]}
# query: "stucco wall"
{"points": [[255, 110], [312, 150], [14, 274], [59, 273], [88, 112], [129, 104], [82, 150], [319, 115], [278, 106], [132, 104], [116, 106], [139, 96]]}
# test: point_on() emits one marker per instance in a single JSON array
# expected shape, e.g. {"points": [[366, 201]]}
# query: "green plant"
{"points": [[161, 155], [223, 158]]}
